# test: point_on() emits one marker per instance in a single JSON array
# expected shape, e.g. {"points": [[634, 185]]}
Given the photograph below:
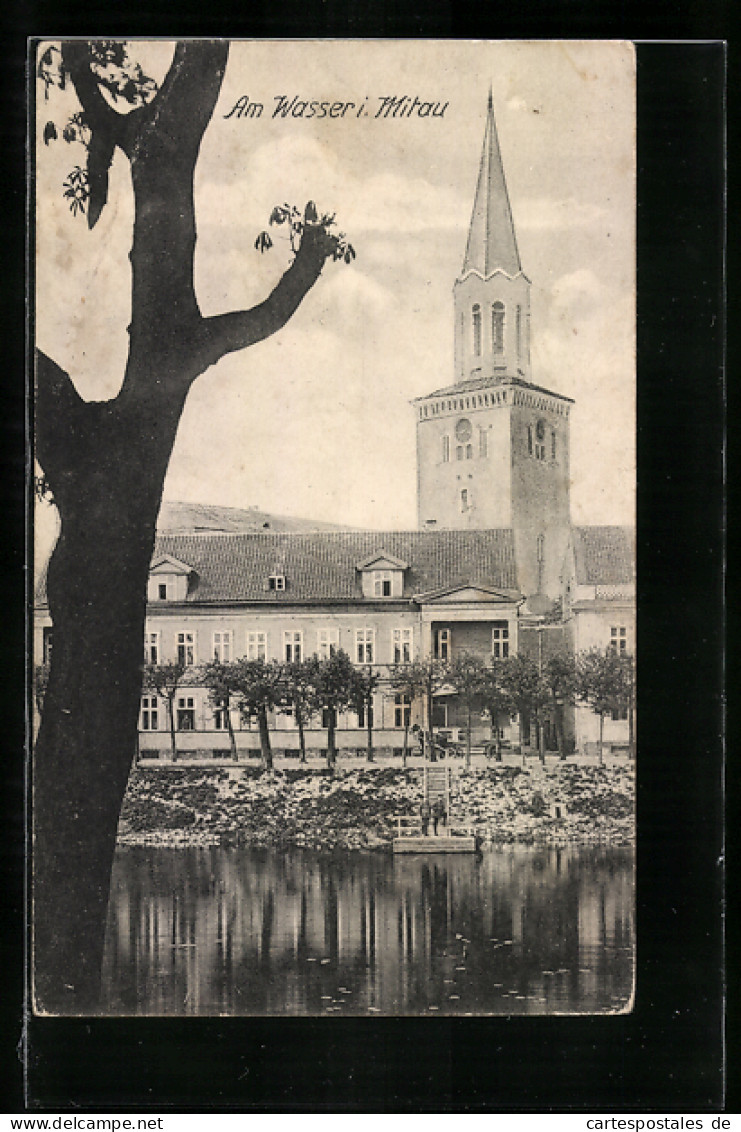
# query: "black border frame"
{"points": [[668, 1054]]}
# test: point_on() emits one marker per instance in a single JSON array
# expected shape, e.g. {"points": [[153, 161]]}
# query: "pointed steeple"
{"points": [[491, 236]]}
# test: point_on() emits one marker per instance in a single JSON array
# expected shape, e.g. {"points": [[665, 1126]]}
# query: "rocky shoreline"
{"points": [[355, 809]]}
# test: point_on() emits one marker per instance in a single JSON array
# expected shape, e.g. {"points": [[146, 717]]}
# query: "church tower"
{"points": [[493, 448]]}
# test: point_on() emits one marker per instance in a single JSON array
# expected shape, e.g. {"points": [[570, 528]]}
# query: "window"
{"points": [[277, 582], [465, 502], [364, 645], [619, 639], [402, 646], [186, 717], [360, 711], [442, 644], [257, 646], [326, 717], [151, 648], [529, 440], [162, 591], [497, 328], [221, 715], [293, 645], [500, 640], [446, 449], [149, 714], [186, 649], [223, 646], [483, 443], [402, 711], [553, 444], [469, 451], [47, 645], [328, 643], [382, 583], [476, 314], [459, 452], [619, 713]]}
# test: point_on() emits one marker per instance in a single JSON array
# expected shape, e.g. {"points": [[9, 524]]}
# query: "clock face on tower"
{"points": [[463, 430]]}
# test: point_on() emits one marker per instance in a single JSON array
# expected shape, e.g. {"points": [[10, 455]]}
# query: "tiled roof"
{"points": [[604, 556], [322, 566]]}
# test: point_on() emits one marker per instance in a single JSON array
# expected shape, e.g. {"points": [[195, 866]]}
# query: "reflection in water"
{"points": [[240, 931]]}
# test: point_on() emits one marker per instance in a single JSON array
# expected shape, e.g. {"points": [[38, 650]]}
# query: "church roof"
{"points": [[492, 244], [604, 555], [322, 566]]}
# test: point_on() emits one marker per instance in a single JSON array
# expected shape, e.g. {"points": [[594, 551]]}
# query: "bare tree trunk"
{"points": [[301, 734], [331, 747], [369, 730], [265, 748], [171, 718], [405, 748], [232, 736]]}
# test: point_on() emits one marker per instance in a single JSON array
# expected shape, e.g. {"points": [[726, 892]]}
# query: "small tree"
{"points": [[496, 701], [521, 681], [367, 680], [604, 683], [165, 679], [259, 688], [222, 680], [300, 690], [335, 687], [559, 677], [409, 682], [467, 675]]}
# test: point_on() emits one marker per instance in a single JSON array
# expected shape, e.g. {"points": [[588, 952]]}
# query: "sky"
{"points": [[316, 421]]}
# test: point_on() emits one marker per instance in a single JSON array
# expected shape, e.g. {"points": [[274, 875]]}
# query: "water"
{"points": [[233, 931]]}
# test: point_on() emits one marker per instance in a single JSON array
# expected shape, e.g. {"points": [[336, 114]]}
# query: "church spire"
{"points": [[491, 243]]}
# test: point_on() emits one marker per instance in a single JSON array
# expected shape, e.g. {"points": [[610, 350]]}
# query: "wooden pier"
{"points": [[431, 844]]}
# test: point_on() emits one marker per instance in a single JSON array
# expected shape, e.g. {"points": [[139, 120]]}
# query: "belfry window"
{"points": [[477, 331], [497, 328]]}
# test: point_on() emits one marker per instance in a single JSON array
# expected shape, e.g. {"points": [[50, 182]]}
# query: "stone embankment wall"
{"points": [[355, 809]]}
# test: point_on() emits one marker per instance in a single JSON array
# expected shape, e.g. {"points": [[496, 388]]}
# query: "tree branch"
{"points": [[182, 108], [100, 116], [236, 330]]}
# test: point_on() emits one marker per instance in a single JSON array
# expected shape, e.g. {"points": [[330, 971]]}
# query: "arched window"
{"points": [[465, 504], [529, 440], [553, 444], [497, 327], [477, 331]]}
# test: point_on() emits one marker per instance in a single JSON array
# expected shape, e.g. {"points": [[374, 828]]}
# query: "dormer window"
{"points": [[277, 583], [382, 575], [169, 579], [382, 583]]}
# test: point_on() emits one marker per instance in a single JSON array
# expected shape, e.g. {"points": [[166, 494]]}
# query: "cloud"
{"points": [[546, 213], [298, 168]]}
